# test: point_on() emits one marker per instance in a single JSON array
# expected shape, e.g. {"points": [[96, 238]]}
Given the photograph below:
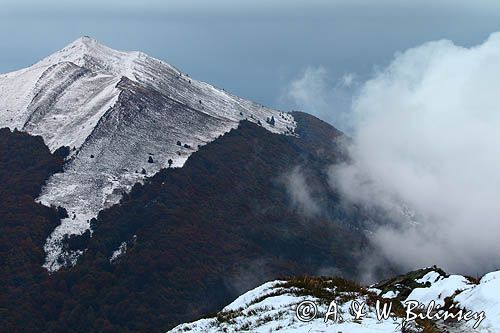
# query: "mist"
{"points": [[300, 193], [426, 151], [316, 90]]}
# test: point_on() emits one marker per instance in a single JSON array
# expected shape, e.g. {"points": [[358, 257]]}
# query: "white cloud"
{"points": [[300, 193], [426, 150], [314, 91], [348, 80]]}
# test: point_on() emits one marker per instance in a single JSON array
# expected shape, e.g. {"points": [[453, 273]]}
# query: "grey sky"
{"points": [[252, 48]]}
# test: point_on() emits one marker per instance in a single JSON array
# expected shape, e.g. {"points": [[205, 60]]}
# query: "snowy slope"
{"points": [[114, 110], [484, 297], [440, 287], [271, 307]]}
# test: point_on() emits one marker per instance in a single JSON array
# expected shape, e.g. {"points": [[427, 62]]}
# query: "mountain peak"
{"points": [[82, 45], [89, 53], [86, 39], [78, 97], [84, 42]]}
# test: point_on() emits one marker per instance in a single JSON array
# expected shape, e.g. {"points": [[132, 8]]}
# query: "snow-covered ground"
{"points": [[440, 287], [272, 307], [484, 297], [114, 110]]}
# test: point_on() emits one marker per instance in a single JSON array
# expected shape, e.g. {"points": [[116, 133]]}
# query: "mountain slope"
{"points": [[25, 164], [166, 243], [190, 239], [227, 220], [272, 306], [124, 115]]}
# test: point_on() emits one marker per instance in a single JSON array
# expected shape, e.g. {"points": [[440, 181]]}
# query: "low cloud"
{"points": [[426, 151], [250, 274], [300, 193], [315, 91]]}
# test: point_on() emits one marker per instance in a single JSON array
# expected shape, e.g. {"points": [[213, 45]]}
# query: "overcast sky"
{"points": [[261, 50]]}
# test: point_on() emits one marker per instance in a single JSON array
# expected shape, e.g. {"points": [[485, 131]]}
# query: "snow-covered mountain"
{"points": [[273, 306], [124, 116]]}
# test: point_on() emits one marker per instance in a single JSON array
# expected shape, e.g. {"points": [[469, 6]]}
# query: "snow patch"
{"points": [[440, 288], [122, 249]]}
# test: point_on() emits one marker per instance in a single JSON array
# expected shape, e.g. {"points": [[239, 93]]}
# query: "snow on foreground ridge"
{"points": [[272, 306], [124, 115], [484, 297]]}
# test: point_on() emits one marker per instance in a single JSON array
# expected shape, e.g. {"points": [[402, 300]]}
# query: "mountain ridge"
{"points": [[273, 306], [166, 178], [228, 220], [113, 109]]}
